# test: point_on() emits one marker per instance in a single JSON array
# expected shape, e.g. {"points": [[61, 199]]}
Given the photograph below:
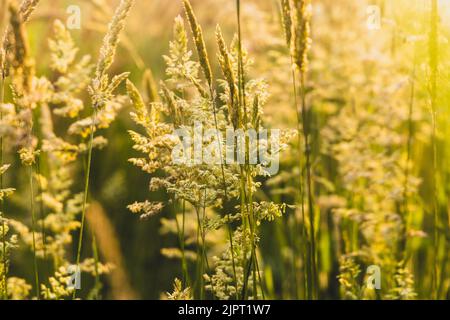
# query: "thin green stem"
{"points": [[33, 226], [244, 216], [312, 288], [41, 208], [246, 176], [201, 250], [200, 255], [204, 254], [181, 239], [260, 279], [182, 245], [298, 113], [86, 191]]}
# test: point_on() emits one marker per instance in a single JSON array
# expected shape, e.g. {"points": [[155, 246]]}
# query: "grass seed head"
{"points": [[301, 33], [287, 20], [26, 9], [227, 70], [199, 42], [111, 40]]}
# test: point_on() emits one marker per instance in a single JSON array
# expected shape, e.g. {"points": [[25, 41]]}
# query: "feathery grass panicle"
{"points": [[180, 35], [287, 20], [23, 13], [301, 33], [63, 48], [228, 72], [20, 59], [18, 33], [179, 293], [171, 104], [225, 59], [111, 40], [100, 89], [138, 102], [199, 42], [26, 8]]}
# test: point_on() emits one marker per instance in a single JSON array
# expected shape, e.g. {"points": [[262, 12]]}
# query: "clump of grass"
{"points": [[202, 189], [101, 91], [31, 118], [296, 22], [205, 65]]}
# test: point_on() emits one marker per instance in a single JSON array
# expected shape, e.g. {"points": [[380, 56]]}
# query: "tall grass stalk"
{"points": [[181, 237], [33, 218], [204, 254], [433, 65], [243, 120], [286, 14], [101, 90], [86, 191], [312, 287], [300, 168], [202, 259], [33, 226], [246, 176], [41, 208], [300, 50], [205, 65]]}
